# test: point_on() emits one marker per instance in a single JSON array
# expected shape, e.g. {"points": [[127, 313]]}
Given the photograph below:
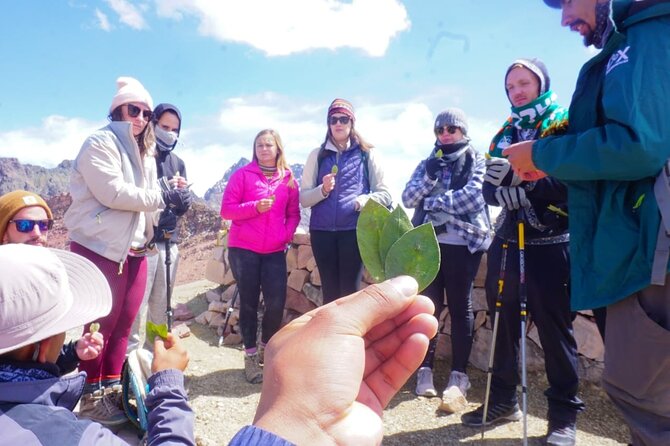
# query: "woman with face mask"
{"points": [[166, 120], [115, 199], [542, 205]]}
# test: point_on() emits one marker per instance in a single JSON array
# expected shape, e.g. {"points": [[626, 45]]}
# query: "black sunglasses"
{"points": [[134, 111], [451, 129], [27, 226], [342, 119]]}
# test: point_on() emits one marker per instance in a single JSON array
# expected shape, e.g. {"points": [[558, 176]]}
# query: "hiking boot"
{"points": [[252, 369], [101, 406], [453, 397], [496, 412], [115, 395], [561, 434]]}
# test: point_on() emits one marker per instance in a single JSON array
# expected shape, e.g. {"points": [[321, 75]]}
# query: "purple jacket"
{"points": [[255, 436], [338, 212], [36, 412], [267, 232]]}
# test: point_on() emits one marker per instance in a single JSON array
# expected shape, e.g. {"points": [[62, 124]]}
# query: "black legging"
{"points": [[254, 271], [458, 269], [339, 262]]}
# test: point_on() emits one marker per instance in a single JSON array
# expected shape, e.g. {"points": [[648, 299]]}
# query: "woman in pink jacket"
{"points": [[261, 199]]}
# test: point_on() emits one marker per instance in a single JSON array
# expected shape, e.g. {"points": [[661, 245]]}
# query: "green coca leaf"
{"points": [[415, 254], [394, 228], [368, 233], [334, 169], [439, 153], [154, 330]]}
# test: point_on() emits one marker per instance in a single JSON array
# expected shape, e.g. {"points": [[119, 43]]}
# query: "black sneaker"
{"points": [[497, 412], [561, 434]]}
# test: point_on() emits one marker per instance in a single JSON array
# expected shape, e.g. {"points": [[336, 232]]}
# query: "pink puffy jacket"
{"points": [[261, 233]]}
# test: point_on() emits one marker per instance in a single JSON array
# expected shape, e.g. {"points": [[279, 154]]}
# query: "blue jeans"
{"points": [[254, 271]]}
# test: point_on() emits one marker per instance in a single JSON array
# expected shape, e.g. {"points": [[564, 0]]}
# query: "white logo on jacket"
{"points": [[616, 59]]}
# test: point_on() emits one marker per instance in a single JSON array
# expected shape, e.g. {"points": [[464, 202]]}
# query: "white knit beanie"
{"points": [[130, 90]]}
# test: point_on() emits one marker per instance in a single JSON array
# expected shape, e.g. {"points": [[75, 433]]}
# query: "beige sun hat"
{"points": [[45, 291]]}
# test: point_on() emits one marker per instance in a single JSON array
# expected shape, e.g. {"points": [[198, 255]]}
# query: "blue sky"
{"points": [[236, 67]]}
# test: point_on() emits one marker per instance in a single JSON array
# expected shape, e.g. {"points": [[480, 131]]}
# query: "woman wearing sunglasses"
{"points": [[339, 177], [446, 190], [115, 196], [542, 205]]}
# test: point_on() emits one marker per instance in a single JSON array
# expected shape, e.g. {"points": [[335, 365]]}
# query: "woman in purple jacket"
{"points": [[261, 199]]}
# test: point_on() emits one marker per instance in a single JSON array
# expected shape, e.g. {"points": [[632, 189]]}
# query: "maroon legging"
{"points": [[127, 292]]}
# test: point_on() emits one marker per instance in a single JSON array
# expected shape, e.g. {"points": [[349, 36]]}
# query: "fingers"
{"points": [[419, 305], [358, 313], [169, 354], [328, 182], [389, 377], [380, 350], [97, 338], [264, 204]]}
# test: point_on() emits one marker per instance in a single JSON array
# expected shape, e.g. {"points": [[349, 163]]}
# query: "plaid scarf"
{"points": [[537, 115]]}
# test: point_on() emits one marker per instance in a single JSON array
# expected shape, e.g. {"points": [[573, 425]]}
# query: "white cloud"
{"points": [[58, 138], [103, 21], [280, 28], [128, 13]]}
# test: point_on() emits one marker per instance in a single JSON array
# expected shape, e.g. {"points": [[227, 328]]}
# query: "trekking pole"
{"points": [[229, 311], [496, 319], [524, 315], [168, 311]]}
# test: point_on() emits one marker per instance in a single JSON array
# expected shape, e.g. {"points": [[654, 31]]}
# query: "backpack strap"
{"points": [[662, 253]]}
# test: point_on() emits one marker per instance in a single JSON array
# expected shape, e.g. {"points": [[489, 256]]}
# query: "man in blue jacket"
{"points": [[618, 142], [43, 294]]}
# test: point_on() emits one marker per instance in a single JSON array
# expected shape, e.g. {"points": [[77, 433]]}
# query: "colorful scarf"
{"points": [[538, 116]]}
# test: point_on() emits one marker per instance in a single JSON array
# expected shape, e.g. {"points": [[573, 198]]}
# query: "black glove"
{"points": [[511, 198], [433, 165], [499, 172], [167, 221], [178, 199]]}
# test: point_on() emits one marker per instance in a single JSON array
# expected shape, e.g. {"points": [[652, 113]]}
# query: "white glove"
{"points": [[512, 198], [499, 173]]}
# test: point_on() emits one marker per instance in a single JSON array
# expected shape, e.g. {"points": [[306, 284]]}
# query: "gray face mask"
{"points": [[165, 140]]}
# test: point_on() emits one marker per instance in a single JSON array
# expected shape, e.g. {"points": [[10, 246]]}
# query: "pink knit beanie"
{"points": [[130, 90]]}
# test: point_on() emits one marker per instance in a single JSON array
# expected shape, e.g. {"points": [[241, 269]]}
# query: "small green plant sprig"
{"points": [[154, 330], [390, 246]]}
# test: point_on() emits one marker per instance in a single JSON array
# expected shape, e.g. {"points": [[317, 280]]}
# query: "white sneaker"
{"points": [[424, 382], [453, 397]]}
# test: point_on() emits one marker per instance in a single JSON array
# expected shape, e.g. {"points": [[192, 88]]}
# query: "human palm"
{"points": [[330, 373]]}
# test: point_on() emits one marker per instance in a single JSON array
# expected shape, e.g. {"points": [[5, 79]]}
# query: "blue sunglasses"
{"points": [[26, 226]]}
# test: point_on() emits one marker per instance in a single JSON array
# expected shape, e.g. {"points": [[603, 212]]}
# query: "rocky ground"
{"points": [[223, 401]]}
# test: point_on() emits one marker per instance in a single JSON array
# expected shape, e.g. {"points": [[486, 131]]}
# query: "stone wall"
{"points": [[304, 294]]}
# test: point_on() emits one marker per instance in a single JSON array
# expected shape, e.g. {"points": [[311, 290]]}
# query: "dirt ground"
{"points": [[224, 402]]}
